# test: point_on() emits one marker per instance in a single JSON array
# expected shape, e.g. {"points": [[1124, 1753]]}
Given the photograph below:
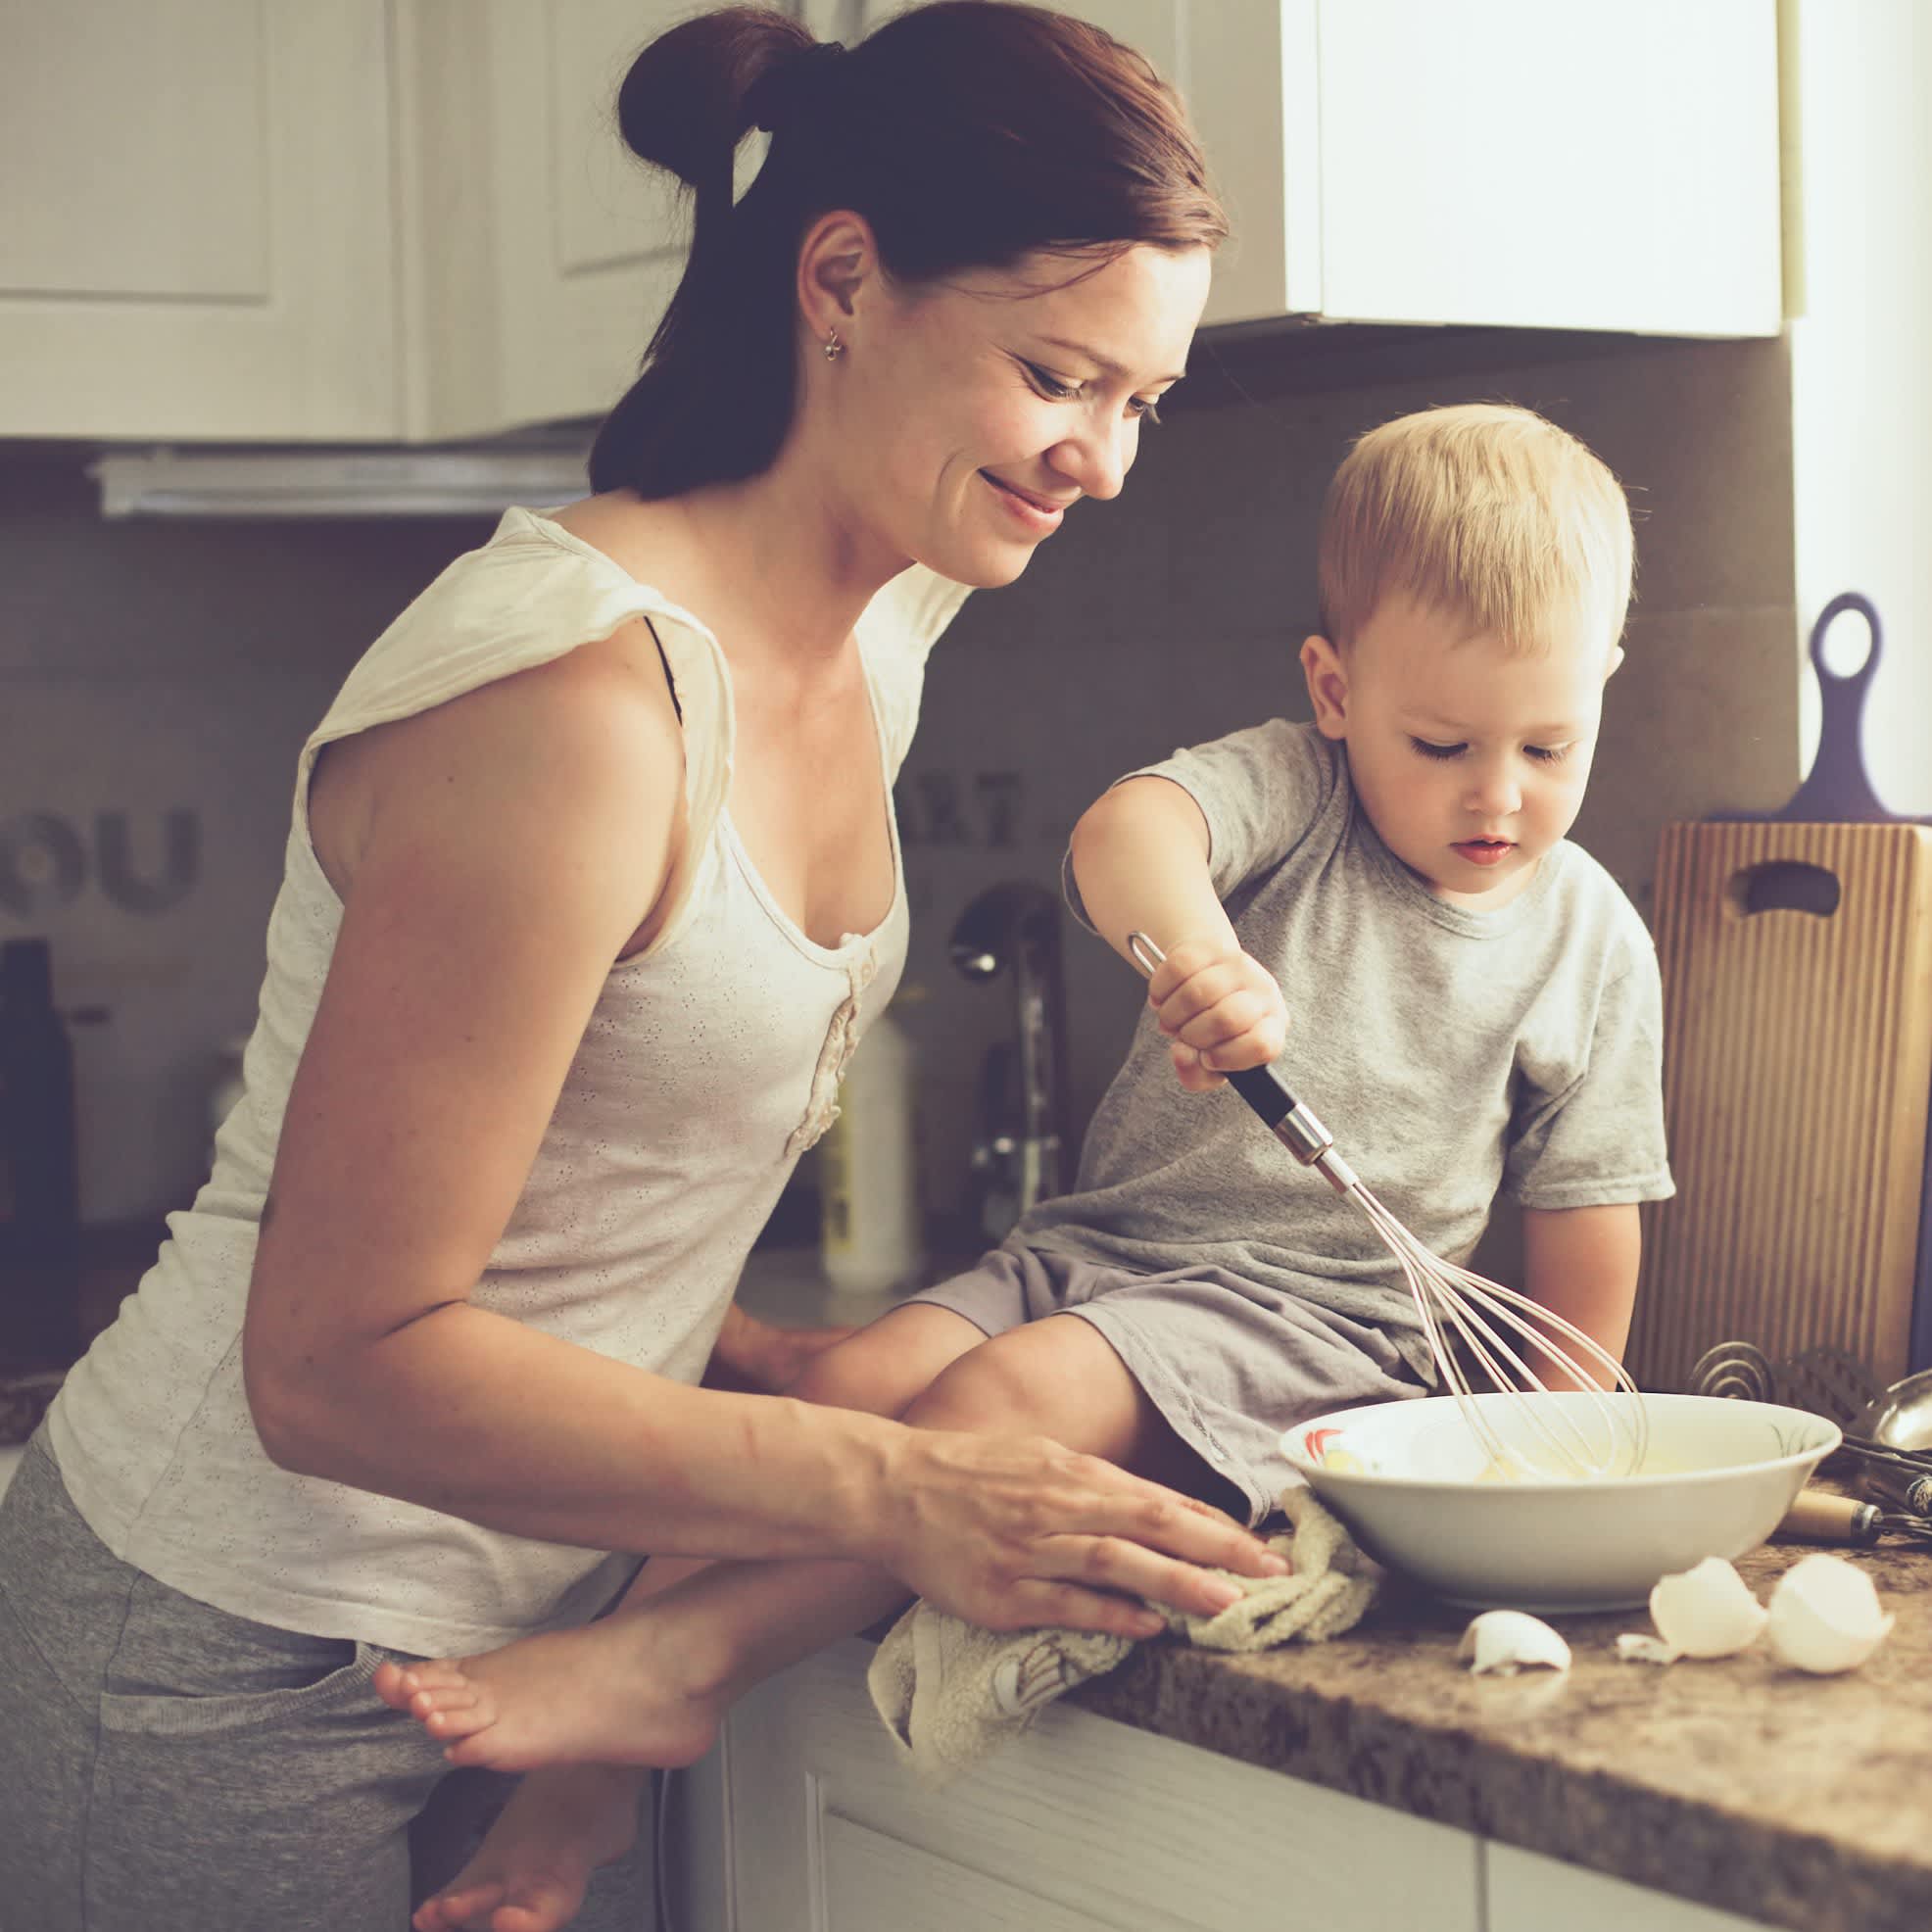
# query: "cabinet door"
{"points": [[1529, 1893], [541, 252], [195, 233], [1081, 1826], [1590, 165], [1595, 165]]}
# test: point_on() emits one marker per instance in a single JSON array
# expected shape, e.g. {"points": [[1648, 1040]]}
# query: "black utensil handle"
{"points": [[1266, 1091]]}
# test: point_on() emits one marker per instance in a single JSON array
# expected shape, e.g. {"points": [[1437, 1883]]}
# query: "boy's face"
{"points": [[1471, 762]]}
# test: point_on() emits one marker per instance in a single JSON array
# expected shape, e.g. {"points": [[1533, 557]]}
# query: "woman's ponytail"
{"points": [[692, 96]]}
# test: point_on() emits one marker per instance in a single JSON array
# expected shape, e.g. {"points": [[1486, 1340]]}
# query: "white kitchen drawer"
{"points": [[870, 1879], [1086, 1819], [1529, 1893]]}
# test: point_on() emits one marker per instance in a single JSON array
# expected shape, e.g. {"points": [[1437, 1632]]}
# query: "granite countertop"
{"points": [[1790, 1799], [1785, 1797]]}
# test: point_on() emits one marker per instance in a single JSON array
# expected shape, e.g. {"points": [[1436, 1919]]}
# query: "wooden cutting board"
{"points": [[1797, 965]]}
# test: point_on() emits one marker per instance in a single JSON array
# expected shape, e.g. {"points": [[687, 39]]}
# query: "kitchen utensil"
{"points": [[1887, 1433], [1410, 1479], [1797, 964], [1825, 1381], [1892, 1439], [1591, 1436], [1820, 1517]]}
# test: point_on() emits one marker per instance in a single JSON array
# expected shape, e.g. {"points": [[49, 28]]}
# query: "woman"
{"points": [[592, 885]]}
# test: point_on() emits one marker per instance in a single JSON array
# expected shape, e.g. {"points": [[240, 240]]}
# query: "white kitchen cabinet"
{"points": [[1598, 164], [412, 220], [195, 235], [802, 1820], [1529, 1893], [537, 252], [1083, 1827], [369, 220]]}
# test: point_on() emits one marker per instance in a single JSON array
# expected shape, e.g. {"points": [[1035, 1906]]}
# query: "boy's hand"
{"points": [[755, 1357], [1221, 1009]]}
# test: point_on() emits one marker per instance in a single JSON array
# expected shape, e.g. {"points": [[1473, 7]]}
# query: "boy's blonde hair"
{"points": [[1483, 513]]}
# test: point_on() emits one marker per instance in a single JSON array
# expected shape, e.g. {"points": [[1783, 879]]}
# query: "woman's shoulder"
{"points": [[534, 593], [577, 743]]}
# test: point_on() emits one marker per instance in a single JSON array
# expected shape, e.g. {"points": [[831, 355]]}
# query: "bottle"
{"points": [[39, 1169], [869, 1232]]}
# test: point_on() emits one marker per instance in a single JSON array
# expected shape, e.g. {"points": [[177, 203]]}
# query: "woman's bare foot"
{"points": [[647, 1686], [530, 1872]]}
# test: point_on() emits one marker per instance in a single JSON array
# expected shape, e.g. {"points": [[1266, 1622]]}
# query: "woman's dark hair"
{"points": [[969, 133]]}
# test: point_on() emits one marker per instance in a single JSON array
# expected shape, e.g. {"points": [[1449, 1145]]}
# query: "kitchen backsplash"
{"points": [[157, 680]]}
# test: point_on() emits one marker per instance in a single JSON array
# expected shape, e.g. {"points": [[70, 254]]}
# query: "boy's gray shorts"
{"points": [[1229, 1363], [168, 1767]]}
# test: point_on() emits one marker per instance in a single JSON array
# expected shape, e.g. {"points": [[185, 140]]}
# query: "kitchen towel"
{"points": [[950, 1691]]}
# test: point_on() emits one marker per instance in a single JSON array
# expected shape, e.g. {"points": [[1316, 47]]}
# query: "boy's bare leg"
{"points": [[649, 1686], [565, 1821]]}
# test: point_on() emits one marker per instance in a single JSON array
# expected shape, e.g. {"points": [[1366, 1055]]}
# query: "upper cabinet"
{"points": [[1586, 165], [412, 220], [538, 252], [370, 220], [195, 233]]}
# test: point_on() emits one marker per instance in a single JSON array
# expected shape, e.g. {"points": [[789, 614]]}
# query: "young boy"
{"points": [[1478, 1007]]}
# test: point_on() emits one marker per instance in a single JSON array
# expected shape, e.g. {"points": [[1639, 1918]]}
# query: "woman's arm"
{"points": [[1582, 1263], [501, 851], [1141, 859]]}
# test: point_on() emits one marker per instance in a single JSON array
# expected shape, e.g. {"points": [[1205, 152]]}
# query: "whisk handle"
{"points": [[1292, 1124], [1266, 1091]]}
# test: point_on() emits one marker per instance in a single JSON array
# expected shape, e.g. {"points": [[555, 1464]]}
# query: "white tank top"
{"points": [[709, 1065]]}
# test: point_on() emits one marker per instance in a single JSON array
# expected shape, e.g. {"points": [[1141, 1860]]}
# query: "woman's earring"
{"points": [[834, 348]]}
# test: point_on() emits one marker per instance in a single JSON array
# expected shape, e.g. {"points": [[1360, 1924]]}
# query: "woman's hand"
{"points": [[756, 1358], [1013, 1532], [1221, 1009]]}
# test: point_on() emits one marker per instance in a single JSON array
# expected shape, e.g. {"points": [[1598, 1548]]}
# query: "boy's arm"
{"points": [[1141, 861], [1582, 1263]]}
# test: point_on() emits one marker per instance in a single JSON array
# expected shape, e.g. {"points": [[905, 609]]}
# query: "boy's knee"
{"points": [[987, 1390]]}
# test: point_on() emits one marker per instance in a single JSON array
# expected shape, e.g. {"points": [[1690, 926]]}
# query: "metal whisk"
{"points": [[1599, 1438]]}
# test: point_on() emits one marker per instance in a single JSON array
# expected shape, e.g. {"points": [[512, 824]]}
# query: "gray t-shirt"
{"points": [[1450, 1052]]}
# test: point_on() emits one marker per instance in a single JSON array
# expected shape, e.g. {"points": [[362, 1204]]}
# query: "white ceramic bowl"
{"points": [[1408, 1479]]}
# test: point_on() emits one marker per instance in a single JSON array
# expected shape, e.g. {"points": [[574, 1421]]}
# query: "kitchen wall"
{"points": [[157, 679]]}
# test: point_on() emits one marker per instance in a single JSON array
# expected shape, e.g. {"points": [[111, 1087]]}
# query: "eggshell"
{"points": [[1705, 1611], [1506, 1641], [1824, 1616], [1635, 1647]]}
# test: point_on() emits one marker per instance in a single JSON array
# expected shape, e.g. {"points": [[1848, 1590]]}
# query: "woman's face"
{"points": [[973, 414]]}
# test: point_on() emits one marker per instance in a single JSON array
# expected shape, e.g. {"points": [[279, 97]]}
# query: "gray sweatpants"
{"points": [[168, 1767]]}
